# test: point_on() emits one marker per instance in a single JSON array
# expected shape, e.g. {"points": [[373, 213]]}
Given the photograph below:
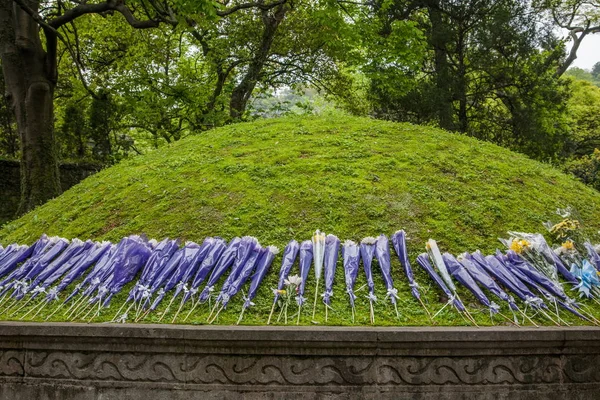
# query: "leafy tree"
{"points": [[29, 54], [488, 71], [582, 74], [579, 18], [31, 35], [596, 70], [584, 114]]}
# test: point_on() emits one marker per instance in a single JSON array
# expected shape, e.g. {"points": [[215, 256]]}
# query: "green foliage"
{"points": [[586, 168], [585, 75], [583, 158], [596, 70], [584, 113], [487, 69], [279, 179]]}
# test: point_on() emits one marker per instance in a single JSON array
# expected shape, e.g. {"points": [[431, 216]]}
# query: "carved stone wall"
{"points": [[102, 362]]}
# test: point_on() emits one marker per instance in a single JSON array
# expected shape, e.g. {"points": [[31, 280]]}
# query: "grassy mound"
{"points": [[282, 179]]}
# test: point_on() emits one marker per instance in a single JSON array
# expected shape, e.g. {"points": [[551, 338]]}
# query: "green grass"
{"points": [[354, 177]]}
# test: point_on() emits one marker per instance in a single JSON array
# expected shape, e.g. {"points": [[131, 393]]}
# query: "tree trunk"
{"points": [[242, 92], [30, 76], [438, 39], [572, 56]]}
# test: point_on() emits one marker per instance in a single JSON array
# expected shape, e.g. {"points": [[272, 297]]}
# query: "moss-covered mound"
{"points": [[284, 178]]}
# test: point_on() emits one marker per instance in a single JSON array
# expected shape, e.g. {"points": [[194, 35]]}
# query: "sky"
{"points": [[589, 52]]}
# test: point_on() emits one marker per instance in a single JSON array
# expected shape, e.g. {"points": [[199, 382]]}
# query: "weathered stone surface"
{"points": [[100, 362]]}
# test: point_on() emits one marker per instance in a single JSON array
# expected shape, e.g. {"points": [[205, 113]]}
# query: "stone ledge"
{"points": [[74, 361]]}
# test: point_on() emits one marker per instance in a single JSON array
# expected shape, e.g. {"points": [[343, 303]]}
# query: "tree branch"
{"points": [[36, 17], [243, 6], [99, 8]]}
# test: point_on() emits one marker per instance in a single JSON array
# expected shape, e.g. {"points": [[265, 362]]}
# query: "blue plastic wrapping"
{"points": [[384, 259], [262, 267], [289, 258], [161, 254], [514, 262], [330, 259], [227, 259], [460, 273], [399, 243], [208, 263], [588, 276], [164, 274], [306, 255], [8, 250], [62, 263], [423, 261], [134, 258], [243, 275], [593, 255], [54, 253], [563, 270], [367, 252], [12, 260], [100, 250], [20, 277], [194, 265], [244, 252], [188, 252], [484, 279], [351, 256]]}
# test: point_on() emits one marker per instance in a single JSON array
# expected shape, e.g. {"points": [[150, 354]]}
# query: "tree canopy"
{"points": [[107, 80]]}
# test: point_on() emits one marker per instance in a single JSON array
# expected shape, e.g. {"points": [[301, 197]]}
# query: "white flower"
{"points": [[293, 280]]}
